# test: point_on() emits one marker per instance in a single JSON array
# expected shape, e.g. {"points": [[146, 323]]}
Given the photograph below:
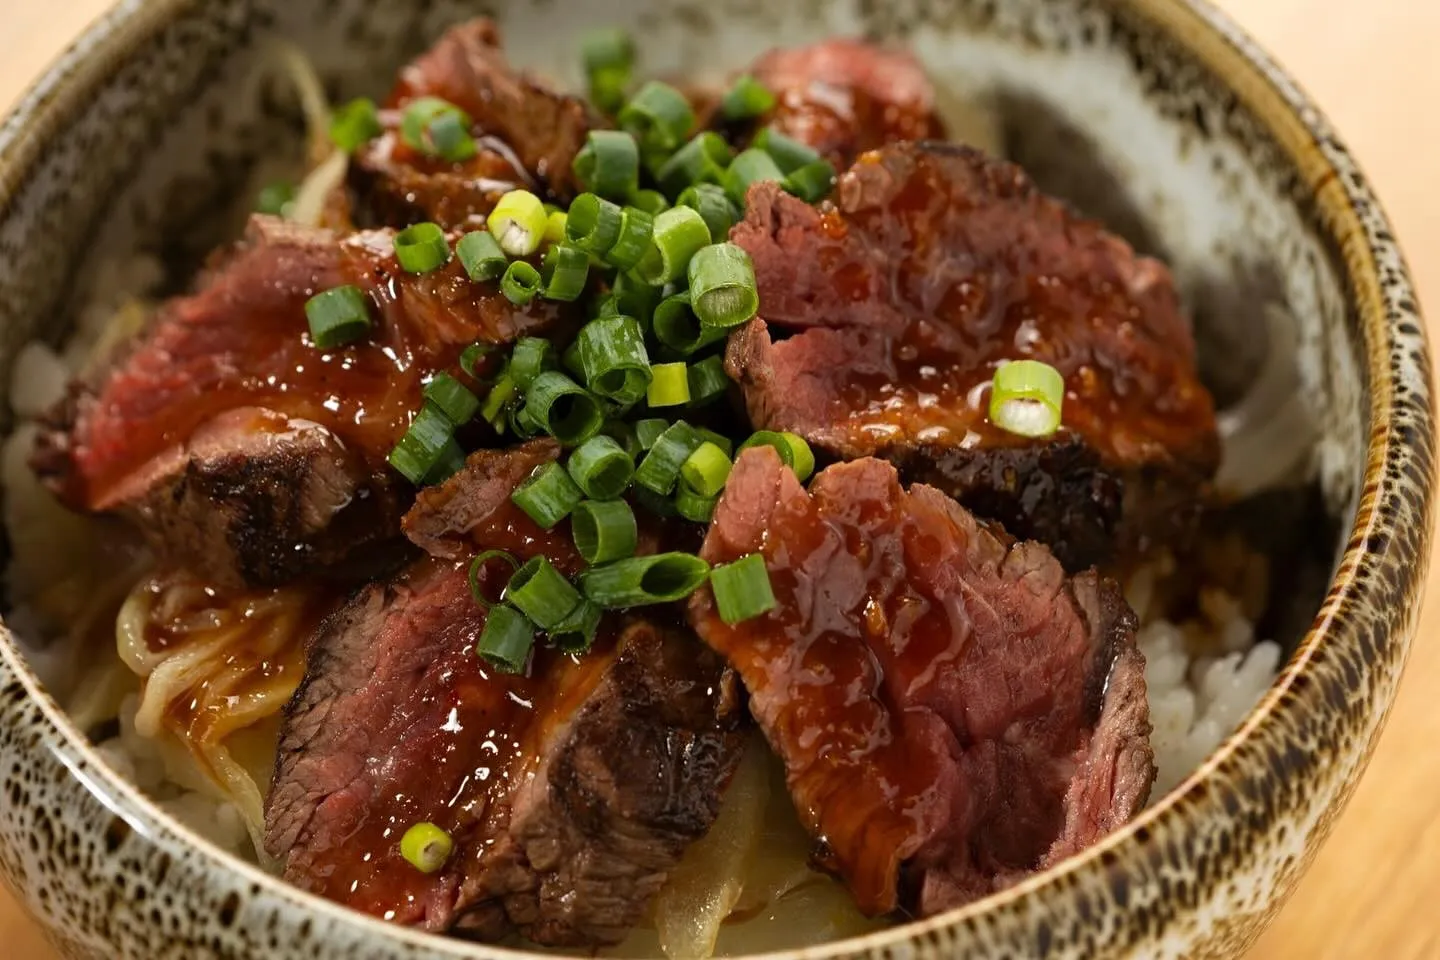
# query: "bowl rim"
{"points": [[1306, 139]]}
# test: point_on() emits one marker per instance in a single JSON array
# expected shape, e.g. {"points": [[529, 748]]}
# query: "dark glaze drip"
{"points": [[244, 341]]}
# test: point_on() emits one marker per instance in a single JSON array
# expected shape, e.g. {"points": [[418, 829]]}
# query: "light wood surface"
{"points": [[1371, 66]]}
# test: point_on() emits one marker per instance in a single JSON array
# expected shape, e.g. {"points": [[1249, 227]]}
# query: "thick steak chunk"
{"points": [[527, 136], [843, 97], [933, 266], [224, 397], [570, 790], [952, 712]]}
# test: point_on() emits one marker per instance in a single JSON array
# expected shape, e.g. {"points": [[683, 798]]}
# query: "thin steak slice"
{"points": [[843, 97], [570, 790], [527, 136], [887, 312], [223, 401], [953, 713]]}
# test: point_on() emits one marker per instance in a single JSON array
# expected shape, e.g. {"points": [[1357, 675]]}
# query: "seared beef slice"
{"points": [[842, 97], [570, 791], [248, 454], [952, 712], [934, 265], [527, 136]]}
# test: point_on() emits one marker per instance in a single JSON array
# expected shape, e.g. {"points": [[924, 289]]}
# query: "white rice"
{"points": [[1203, 676]]}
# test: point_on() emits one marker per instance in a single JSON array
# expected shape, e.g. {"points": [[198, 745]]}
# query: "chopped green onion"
{"points": [[612, 353], [566, 411], [518, 223], [477, 567], [506, 641], [702, 160], [426, 847], [654, 503], [520, 283], [608, 164], [530, 357], [726, 445], [746, 99], [570, 360], [623, 434], [355, 124], [678, 234], [713, 206], [564, 272], [708, 380], [742, 589], [593, 223], [555, 226], [522, 424], [275, 198], [660, 469], [438, 128], [338, 316], [788, 153], [676, 326], [722, 286], [608, 87], [471, 356], [637, 581], [577, 632], [1026, 398], [422, 248], [635, 228], [669, 385], [812, 182], [542, 593], [648, 431], [693, 506], [635, 298], [794, 452], [604, 530], [496, 401], [605, 48], [451, 459], [652, 202], [658, 116], [425, 443], [452, 398], [751, 166], [601, 468], [706, 469], [548, 496], [481, 256]]}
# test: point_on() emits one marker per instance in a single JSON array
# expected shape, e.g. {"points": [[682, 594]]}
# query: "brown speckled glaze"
{"points": [[1158, 114]]}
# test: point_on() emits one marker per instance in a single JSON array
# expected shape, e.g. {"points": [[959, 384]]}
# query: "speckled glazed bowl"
{"points": [[1156, 114]]}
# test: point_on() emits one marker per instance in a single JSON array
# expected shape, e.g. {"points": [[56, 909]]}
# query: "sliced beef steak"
{"points": [[843, 97], [952, 712], [569, 790], [527, 135], [933, 266], [224, 400]]}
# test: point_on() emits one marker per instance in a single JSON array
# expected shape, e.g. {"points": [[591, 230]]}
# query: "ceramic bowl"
{"points": [[1159, 115]]}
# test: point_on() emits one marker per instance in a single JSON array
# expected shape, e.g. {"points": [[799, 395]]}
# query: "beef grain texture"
{"points": [[570, 791], [953, 712], [527, 136], [237, 445], [887, 312]]}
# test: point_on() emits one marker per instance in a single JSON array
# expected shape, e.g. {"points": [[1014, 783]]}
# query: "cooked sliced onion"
{"points": [[701, 892], [309, 202]]}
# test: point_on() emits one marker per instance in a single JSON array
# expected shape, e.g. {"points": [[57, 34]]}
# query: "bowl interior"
{"points": [[166, 159]]}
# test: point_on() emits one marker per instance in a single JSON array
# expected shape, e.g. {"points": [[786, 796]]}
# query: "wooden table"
{"points": [[1373, 891]]}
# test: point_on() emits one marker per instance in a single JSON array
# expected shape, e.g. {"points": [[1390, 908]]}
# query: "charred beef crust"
{"points": [[638, 779], [886, 312]]}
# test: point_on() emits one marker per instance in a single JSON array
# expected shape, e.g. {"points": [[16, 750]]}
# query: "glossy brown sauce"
{"points": [[950, 269], [244, 341]]}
